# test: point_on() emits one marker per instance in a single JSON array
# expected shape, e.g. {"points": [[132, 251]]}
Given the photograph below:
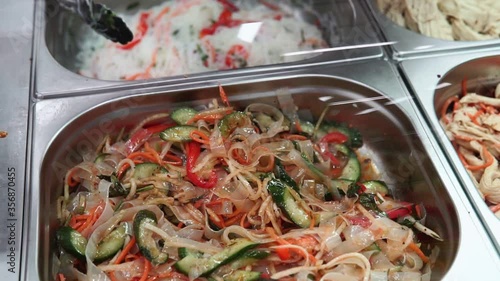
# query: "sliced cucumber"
{"points": [[376, 186], [184, 252], [182, 115], [352, 170], [145, 241], [307, 127], [338, 185], [111, 244], [181, 133], [232, 121], [100, 158], [282, 196], [72, 241], [354, 138], [116, 189], [147, 170], [249, 258], [280, 173], [242, 275], [195, 267]]}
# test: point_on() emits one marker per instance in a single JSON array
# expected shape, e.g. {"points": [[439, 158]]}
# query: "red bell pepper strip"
{"points": [[141, 136], [333, 137], [284, 253], [236, 51], [142, 28], [228, 4], [400, 211], [225, 19], [193, 151], [270, 5]]}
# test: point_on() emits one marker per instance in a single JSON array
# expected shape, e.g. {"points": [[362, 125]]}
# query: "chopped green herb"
{"points": [[407, 223], [353, 190], [175, 32], [367, 200]]}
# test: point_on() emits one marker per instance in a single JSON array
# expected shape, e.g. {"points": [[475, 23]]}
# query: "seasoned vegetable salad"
{"points": [[225, 193]]}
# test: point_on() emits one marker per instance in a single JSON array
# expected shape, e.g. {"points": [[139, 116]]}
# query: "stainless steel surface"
{"points": [[56, 63], [409, 43], [442, 80], [15, 53], [64, 126]]}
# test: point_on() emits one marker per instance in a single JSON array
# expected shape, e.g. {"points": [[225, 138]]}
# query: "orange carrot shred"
{"points": [[414, 247], [147, 268], [125, 250], [223, 95]]}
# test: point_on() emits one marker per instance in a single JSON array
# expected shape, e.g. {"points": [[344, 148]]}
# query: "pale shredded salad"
{"points": [[189, 36], [472, 122]]}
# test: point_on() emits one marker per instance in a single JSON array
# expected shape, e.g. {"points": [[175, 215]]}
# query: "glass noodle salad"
{"points": [[187, 36], [225, 193]]}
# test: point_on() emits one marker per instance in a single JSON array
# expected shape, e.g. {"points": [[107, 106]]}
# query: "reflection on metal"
{"points": [[336, 49], [248, 31]]}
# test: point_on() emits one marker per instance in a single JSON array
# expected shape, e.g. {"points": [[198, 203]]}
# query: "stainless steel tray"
{"points": [[408, 43], [62, 126], [55, 51], [443, 80]]}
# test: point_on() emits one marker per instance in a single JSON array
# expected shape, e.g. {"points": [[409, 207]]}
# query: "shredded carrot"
{"points": [[144, 155], [223, 95], [444, 109], [294, 137], [495, 208], [180, 224], [244, 222], [464, 138], [147, 268], [282, 241], [153, 152], [70, 181], [313, 221], [236, 217], [207, 118], [61, 277], [161, 14], [125, 250], [242, 160], [297, 126], [200, 137], [94, 214], [464, 87], [414, 247], [488, 162], [173, 159], [131, 257], [473, 117]]}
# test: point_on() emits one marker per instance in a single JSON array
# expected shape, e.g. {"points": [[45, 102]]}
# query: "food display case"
{"points": [[481, 73], [415, 172], [365, 79], [60, 36], [407, 43]]}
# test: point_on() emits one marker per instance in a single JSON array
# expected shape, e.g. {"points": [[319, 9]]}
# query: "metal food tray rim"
{"points": [[404, 48], [425, 97], [51, 79], [471, 229]]}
